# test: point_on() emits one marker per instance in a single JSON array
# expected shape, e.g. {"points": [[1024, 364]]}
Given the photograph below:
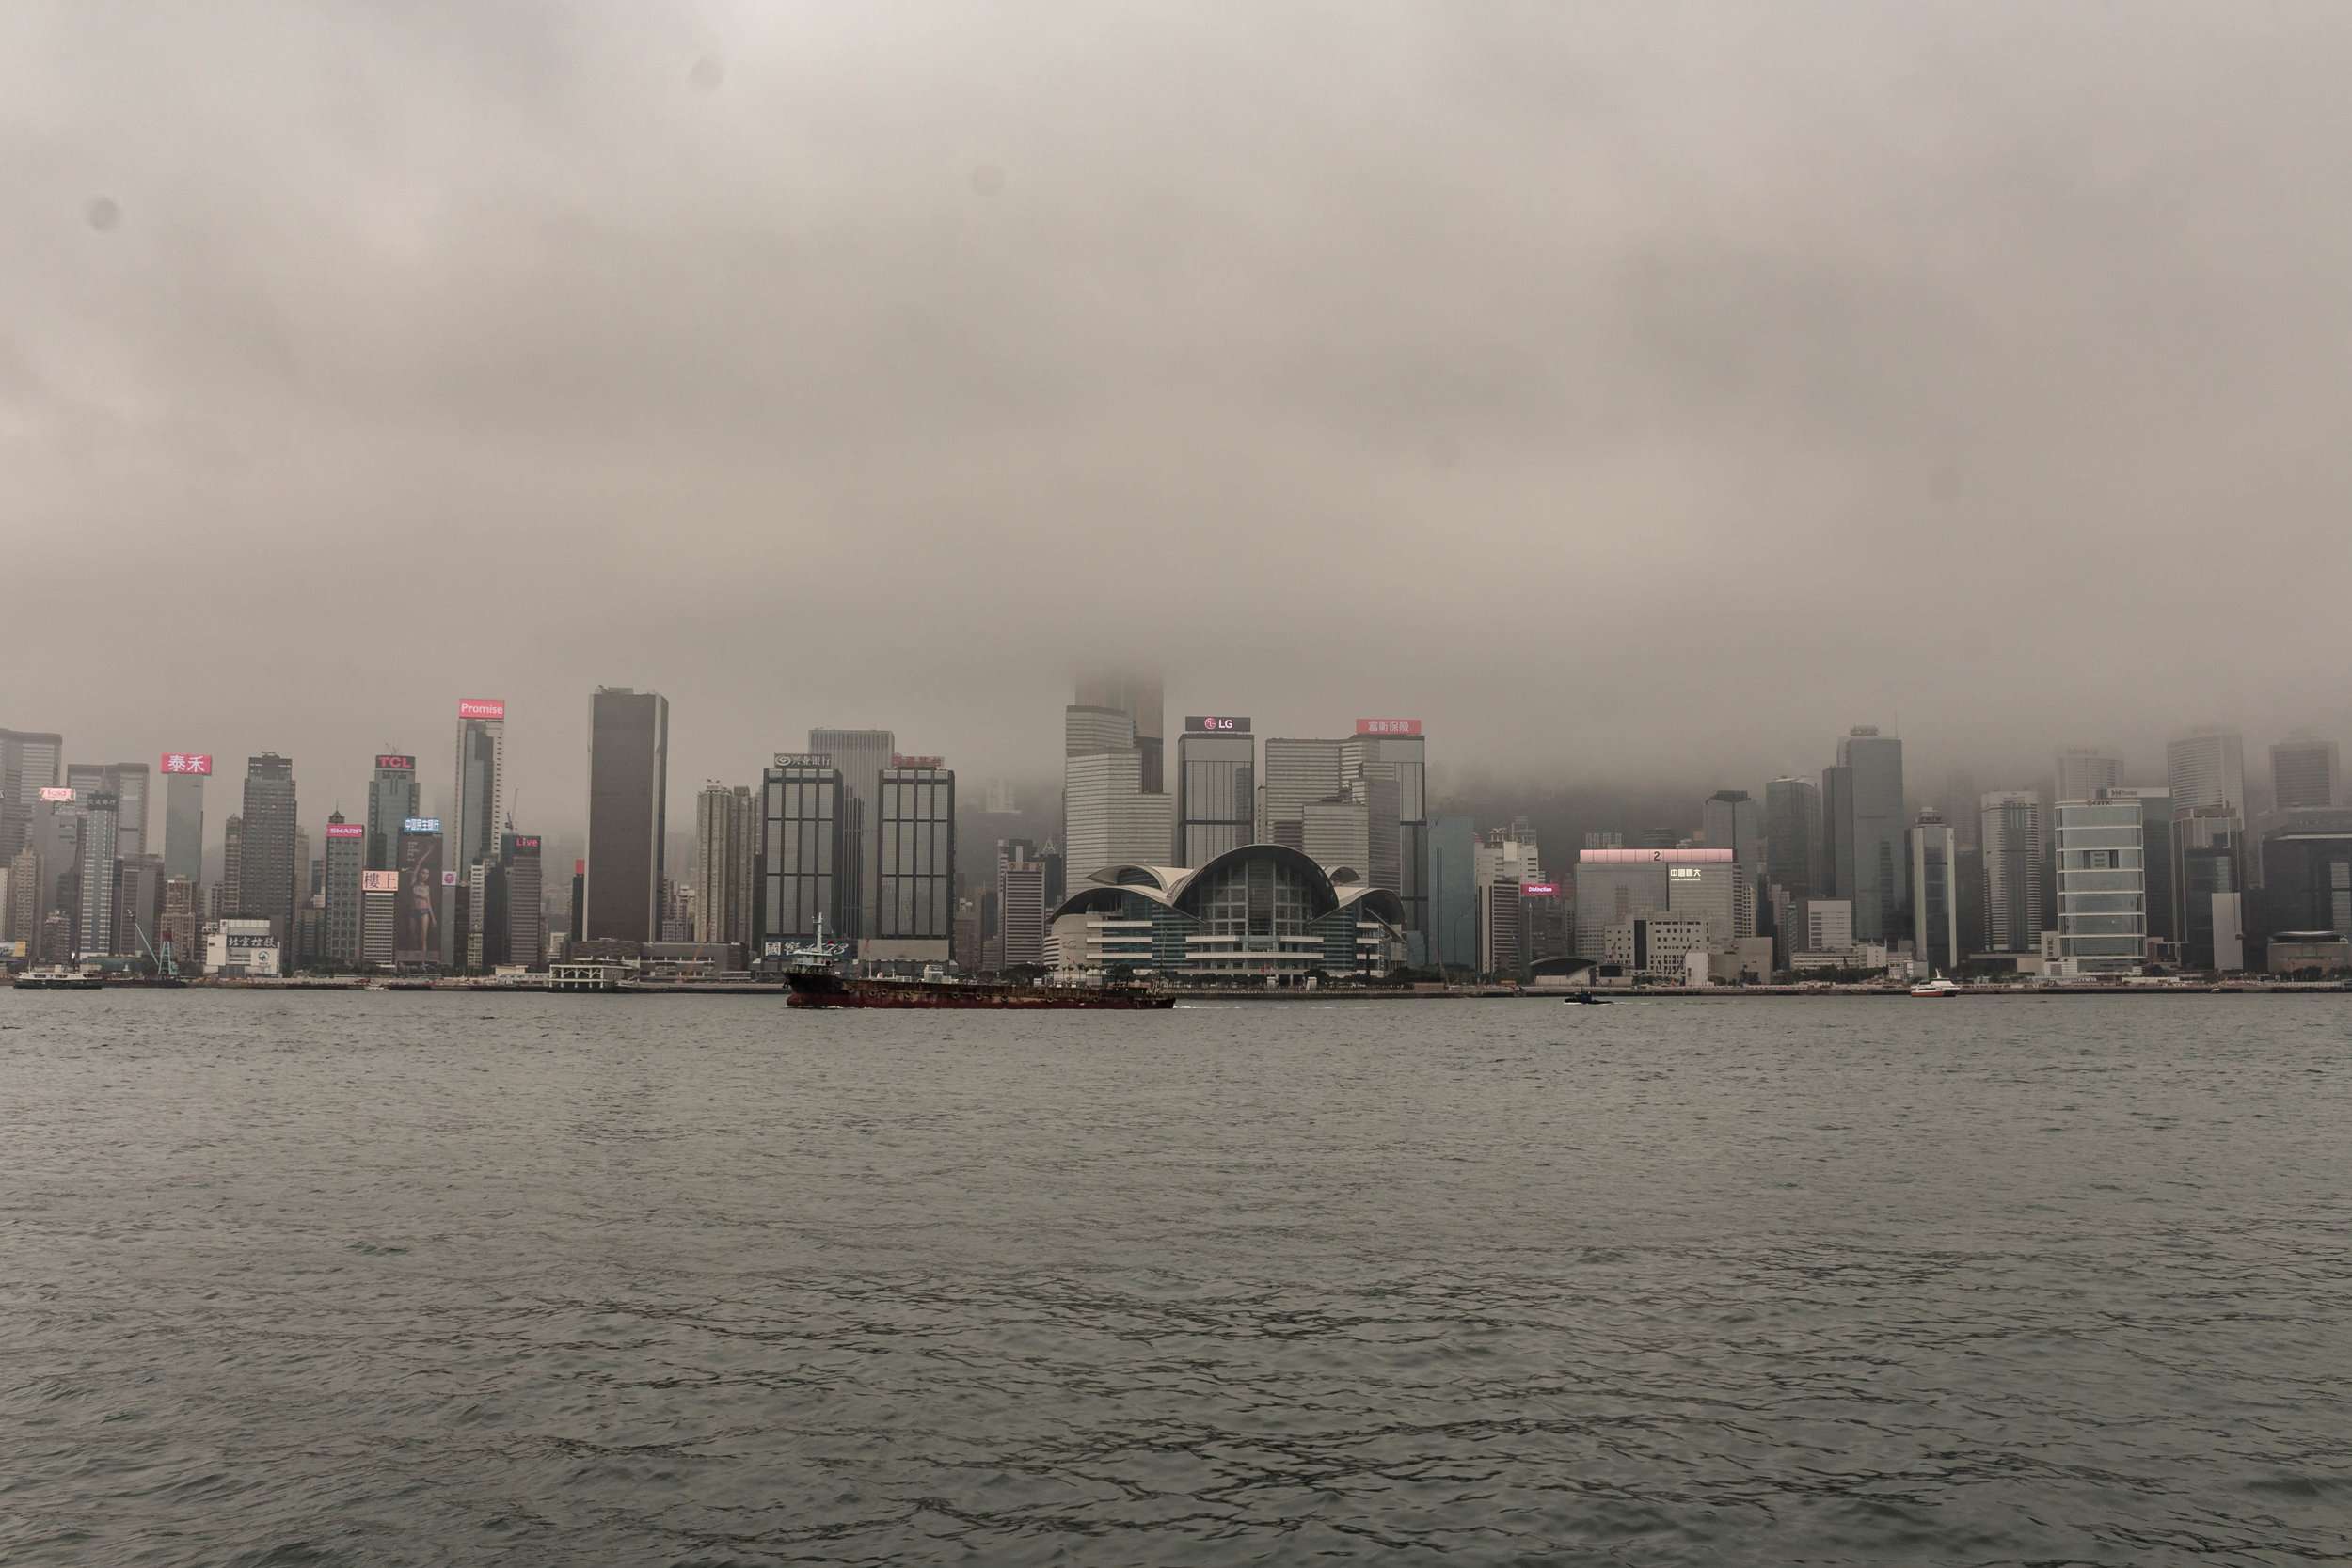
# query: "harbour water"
{"points": [[392, 1278]]}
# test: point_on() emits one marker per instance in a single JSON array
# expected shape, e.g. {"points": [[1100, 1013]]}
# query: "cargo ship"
{"points": [[817, 988]]}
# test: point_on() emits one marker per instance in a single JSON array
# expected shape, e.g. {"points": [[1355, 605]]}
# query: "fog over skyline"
{"points": [[1641, 395]]}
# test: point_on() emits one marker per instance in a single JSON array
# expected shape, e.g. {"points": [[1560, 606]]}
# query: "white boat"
{"points": [[1936, 987], [58, 977]]}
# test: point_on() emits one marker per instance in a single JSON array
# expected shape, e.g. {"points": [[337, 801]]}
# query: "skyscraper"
{"points": [[139, 905], [2082, 771], [1216, 788], [2207, 768], [182, 933], [1872, 870], [726, 838], [805, 871], [1020, 905], [629, 779], [96, 843], [1792, 826], [1136, 694], [914, 856], [229, 897], [1109, 818], [266, 870], [184, 773], [860, 755], [2009, 828], [526, 927], [477, 803], [30, 762], [1934, 893], [127, 782], [346, 852], [1385, 752], [2102, 915], [393, 799], [2303, 772], [1296, 770]]}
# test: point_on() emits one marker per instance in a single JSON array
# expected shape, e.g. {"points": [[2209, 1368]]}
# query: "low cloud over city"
{"points": [[1643, 394]]}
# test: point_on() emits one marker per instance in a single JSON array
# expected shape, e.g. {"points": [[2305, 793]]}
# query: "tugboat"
{"points": [[1586, 999], [816, 980]]}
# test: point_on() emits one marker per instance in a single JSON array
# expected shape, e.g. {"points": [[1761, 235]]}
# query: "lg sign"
{"points": [[1197, 724], [481, 707]]}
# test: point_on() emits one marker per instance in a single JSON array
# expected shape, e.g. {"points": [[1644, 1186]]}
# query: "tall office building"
{"points": [[139, 905], [393, 799], [2207, 768], [1391, 757], [1109, 817], [2102, 914], [2209, 881], [346, 857], [860, 755], [914, 856], [805, 870], [1792, 827], [1871, 868], [1217, 787], [2084, 770], [184, 773], [229, 897], [1836, 820], [183, 926], [1453, 893], [1296, 770], [267, 870], [1021, 905], [96, 841], [30, 762], [629, 782], [1935, 894], [1337, 835], [127, 782], [726, 845], [1136, 694], [478, 800], [2303, 772], [526, 913], [2307, 874], [1731, 820], [1503, 862], [2009, 830]]}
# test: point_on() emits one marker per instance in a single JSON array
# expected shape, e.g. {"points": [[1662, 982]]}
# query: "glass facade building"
{"points": [[801, 840], [1216, 792], [2102, 883], [1261, 912], [914, 856]]}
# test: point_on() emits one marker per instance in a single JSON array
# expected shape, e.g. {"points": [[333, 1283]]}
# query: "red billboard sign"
{"points": [[527, 841], [1539, 890], [187, 762], [397, 764], [53, 793], [1388, 726], [481, 707], [346, 829]]}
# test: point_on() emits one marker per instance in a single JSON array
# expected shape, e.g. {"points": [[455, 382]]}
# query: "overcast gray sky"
{"points": [[1637, 390]]}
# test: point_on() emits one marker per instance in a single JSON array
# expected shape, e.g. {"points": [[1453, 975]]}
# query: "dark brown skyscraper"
{"points": [[265, 867], [629, 771]]}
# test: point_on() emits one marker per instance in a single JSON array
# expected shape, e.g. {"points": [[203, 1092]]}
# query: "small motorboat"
{"points": [[1584, 999], [1936, 987]]}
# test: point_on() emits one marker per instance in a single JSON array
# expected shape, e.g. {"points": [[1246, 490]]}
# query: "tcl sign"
{"points": [[1388, 726], [481, 707], [186, 762], [387, 763]]}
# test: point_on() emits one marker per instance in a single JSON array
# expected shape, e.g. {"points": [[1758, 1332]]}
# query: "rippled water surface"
{"points": [[425, 1278]]}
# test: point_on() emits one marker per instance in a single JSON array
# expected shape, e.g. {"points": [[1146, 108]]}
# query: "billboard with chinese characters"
{"points": [[1388, 726], [422, 825], [804, 759], [392, 762], [187, 762], [346, 829], [900, 760], [1196, 723], [481, 707], [416, 918], [379, 882]]}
